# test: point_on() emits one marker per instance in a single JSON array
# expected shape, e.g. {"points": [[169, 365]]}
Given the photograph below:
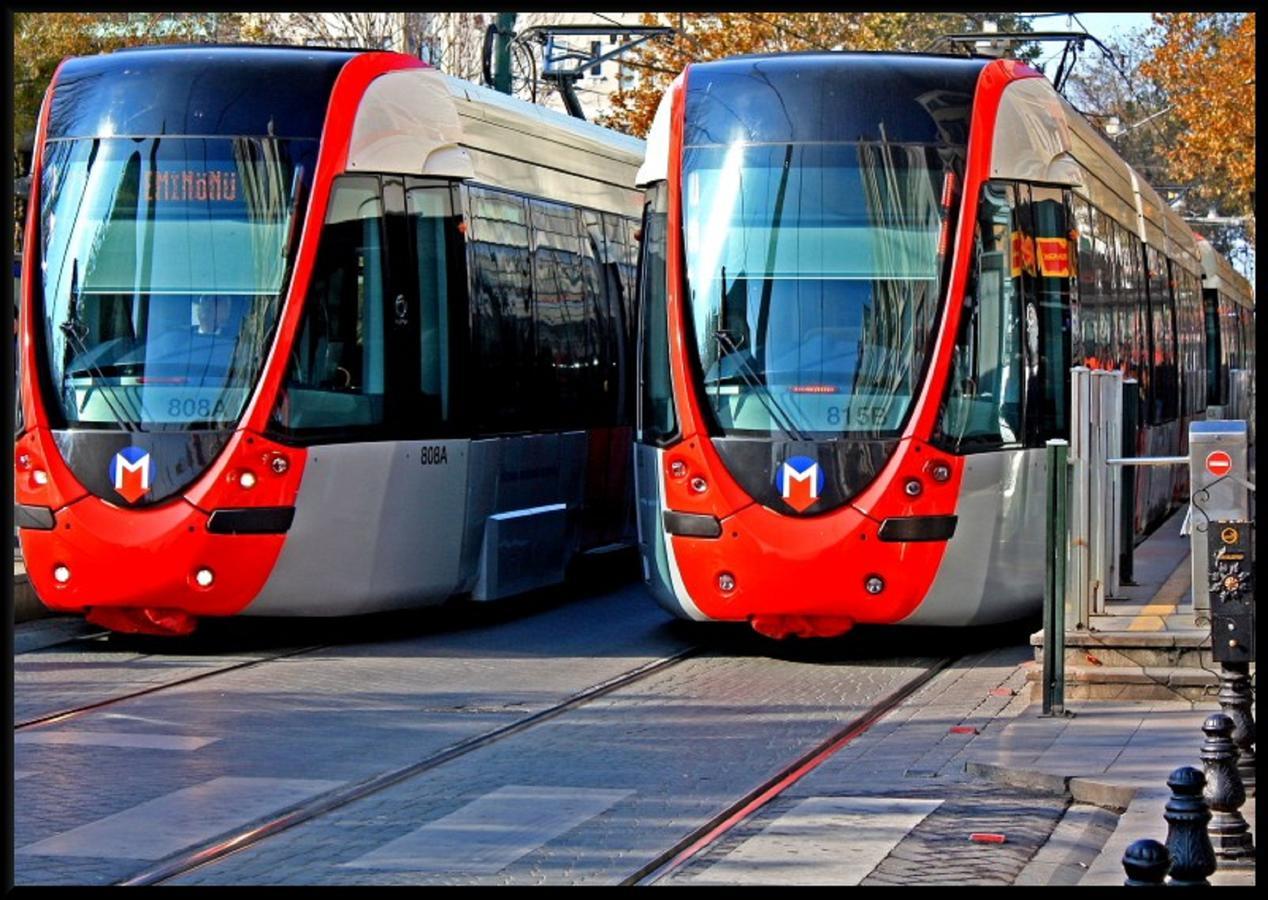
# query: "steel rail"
{"points": [[75, 712], [211, 851], [706, 835], [61, 642]]}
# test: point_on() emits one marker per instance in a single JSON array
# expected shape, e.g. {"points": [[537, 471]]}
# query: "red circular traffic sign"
{"points": [[1218, 462]]}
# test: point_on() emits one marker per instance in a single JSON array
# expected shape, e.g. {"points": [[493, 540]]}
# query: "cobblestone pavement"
{"points": [[342, 714], [911, 753], [679, 746], [587, 797], [936, 851], [939, 851]]}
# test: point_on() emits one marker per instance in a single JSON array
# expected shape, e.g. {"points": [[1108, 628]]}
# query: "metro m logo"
{"points": [[130, 473], [799, 481]]}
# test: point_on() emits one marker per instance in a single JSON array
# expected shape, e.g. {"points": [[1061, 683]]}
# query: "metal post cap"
{"points": [[1146, 862]]}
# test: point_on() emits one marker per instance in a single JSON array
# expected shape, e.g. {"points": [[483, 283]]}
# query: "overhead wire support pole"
{"points": [[566, 79], [502, 52]]}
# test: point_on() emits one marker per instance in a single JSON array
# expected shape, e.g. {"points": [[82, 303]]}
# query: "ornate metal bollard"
{"points": [[1237, 703], [1192, 856], [1146, 862], [1224, 794]]}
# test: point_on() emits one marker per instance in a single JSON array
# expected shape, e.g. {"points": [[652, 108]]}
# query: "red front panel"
{"points": [[807, 575], [148, 558]]}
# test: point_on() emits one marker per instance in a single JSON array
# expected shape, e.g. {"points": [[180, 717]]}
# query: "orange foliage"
{"points": [[1205, 62]]}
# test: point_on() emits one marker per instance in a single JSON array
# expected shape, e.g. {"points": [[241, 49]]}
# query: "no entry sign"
{"points": [[1218, 462]]}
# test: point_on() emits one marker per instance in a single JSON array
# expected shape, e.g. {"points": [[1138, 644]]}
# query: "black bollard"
{"points": [[1224, 795], [1192, 856], [1235, 699], [1146, 862]]}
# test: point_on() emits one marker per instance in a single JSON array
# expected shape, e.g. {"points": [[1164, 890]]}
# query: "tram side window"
{"points": [[621, 270], [1130, 302], [433, 233], [982, 410], [1248, 346], [1216, 369], [1228, 339], [562, 322], [1089, 301], [1191, 327], [336, 378], [657, 421], [1108, 350], [506, 391], [1165, 401], [603, 303]]}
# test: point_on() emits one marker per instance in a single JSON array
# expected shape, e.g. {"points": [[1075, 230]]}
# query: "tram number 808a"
{"points": [[195, 408]]}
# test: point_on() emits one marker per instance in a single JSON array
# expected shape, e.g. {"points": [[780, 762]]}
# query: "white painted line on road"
{"points": [[821, 840], [164, 825], [19, 774], [491, 832], [131, 740]]}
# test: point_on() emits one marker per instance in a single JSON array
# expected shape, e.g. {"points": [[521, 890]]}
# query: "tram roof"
{"points": [[204, 89]]}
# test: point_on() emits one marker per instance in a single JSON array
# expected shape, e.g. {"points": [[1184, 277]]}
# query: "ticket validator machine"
{"points": [[1220, 533]]}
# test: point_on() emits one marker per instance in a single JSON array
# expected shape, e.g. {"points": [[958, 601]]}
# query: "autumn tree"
{"points": [[1205, 65], [42, 40], [1129, 108], [700, 37]]}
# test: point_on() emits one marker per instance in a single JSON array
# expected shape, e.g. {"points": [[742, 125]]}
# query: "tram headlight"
{"points": [[699, 485], [913, 487], [279, 464], [40, 477], [24, 461], [940, 472], [247, 479], [726, 582], [61, 574], [678, 468], [874, 584], [204, 577]]}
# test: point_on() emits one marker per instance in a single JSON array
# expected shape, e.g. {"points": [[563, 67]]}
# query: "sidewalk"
{"points": [[970, 753], [1109, 755]]}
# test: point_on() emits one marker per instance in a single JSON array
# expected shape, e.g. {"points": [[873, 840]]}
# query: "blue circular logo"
{"points": [[799, 475]]}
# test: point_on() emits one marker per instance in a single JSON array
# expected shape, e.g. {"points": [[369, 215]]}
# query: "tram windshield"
{"points": [[814, 271], [163, 263]]}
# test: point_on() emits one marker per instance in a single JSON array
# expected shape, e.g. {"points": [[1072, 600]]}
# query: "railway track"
{"points": [[715, 829], [212, 851], [656, 869], [75, 712]]}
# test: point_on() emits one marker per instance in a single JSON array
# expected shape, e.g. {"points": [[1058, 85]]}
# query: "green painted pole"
{"points": [[1056, 537], [502, 52]]}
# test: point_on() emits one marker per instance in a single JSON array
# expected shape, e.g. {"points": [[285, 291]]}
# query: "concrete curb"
{"points": [[1114, 797]]}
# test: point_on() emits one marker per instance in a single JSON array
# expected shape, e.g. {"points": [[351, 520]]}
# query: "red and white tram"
{"points": [[316, 332], [865, 280]]}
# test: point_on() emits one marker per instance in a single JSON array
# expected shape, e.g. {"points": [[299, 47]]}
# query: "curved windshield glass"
{"points": [[814, 272], [163, 262]]}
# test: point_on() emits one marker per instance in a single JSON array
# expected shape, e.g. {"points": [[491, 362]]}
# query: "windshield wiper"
{"points": [[745, 371], [74, 328], [750, 377]]}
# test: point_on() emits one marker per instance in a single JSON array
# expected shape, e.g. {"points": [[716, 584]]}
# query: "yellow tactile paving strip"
{"points": [[1153, 617]]}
